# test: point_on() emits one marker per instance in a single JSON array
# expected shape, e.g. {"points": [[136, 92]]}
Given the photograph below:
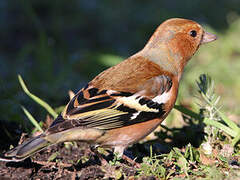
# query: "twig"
{"points": [[45, 163], [74, 175]]}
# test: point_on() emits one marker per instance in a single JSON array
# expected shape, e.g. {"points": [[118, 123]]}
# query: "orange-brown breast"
{"points": [[128, 134]]}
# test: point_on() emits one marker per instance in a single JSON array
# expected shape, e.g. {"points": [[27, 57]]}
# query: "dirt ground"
{"points": [[71, 160], [66, 161], [65, 165]]}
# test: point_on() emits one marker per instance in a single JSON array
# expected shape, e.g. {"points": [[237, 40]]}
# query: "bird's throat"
{"points": [[167, 61]]}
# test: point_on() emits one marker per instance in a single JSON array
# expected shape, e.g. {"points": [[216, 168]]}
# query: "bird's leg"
{"points": [[119, 150]]}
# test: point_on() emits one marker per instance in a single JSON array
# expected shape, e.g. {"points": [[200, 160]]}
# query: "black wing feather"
{"points": [[95, 108]]}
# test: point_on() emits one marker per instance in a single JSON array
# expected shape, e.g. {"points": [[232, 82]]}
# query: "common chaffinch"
{"points": [[126, 102]]}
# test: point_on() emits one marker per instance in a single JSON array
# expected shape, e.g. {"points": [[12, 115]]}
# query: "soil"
{"points": [[67, 161], [72, 160]]}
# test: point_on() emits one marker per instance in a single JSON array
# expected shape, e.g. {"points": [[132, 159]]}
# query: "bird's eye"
{"points": [[193, 33]]}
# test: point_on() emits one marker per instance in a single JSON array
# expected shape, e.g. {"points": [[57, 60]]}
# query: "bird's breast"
{"points": [[129, 134]]}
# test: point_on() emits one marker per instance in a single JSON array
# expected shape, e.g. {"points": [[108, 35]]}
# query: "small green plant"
{"points": [[53, 157], [210, 114], [165, 166], [116, 160], [152, 166]]}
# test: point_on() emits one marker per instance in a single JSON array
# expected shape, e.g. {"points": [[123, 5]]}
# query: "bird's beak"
{"points": [[208, 37]]}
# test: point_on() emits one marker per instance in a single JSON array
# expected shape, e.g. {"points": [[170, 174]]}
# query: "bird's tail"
{"points": [[26, 149]]}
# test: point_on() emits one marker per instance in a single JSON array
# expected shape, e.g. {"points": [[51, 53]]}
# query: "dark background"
{"points": [[60, 45]]}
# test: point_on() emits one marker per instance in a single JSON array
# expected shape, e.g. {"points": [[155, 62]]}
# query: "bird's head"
{"points": [[174, 42]]}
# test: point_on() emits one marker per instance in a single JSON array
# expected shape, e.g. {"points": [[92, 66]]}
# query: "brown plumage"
{"points": [[126, 102]]}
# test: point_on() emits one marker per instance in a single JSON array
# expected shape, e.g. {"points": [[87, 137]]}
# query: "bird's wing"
{"points": [[109, 109]]}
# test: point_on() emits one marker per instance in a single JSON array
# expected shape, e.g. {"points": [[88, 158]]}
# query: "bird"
{"points": [[126, 102]]}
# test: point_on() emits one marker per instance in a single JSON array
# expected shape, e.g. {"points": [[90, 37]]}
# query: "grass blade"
{"points": [[220, 126], [236, 139], [37, 99], [188, 112], [31, 118], [229, 122]]}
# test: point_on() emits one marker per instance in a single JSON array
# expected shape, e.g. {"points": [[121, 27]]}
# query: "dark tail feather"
{"points": [[26, 149]]}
